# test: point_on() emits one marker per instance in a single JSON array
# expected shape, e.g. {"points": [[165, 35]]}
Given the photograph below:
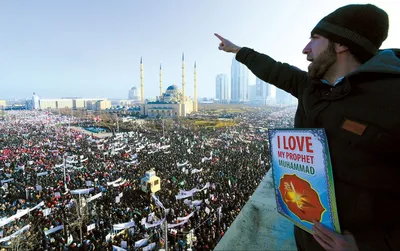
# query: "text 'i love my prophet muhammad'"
{"points": [[288, 145]]}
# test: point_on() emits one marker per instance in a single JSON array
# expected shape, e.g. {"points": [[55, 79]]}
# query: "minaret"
{"points": [[160, 81], [183, 78], [195, 89], [141, 82]]}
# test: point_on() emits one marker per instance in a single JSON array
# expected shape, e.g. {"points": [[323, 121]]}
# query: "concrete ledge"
{"points": [[259, 226]]}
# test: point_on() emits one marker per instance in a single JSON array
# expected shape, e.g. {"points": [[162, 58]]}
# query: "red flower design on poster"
{"points": [[301, 198]]}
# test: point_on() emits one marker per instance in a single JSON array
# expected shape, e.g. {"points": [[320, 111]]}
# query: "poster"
{"points": [[303, 179], [91, 227]]}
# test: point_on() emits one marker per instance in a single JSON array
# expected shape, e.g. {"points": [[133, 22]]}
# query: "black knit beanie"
{"points": [[360, 27]]}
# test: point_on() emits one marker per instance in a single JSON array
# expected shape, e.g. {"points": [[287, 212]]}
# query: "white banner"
{"points": [[191, 192], [19, 215], [140, 243], [82, 191], [122, 226], [178, 224], [164, 147], [182, 164], [155, 224], [186, 217], [196, 170], [119, 184], [179, 197], [158, 202], [15, 234], [113, 182], [185, 194], [54, 229], [37, 206], [42, 174], [5, 181], [94, 197], [205, 187], [197, 202]]}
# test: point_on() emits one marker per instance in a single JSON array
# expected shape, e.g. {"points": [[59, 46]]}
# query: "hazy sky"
{"points": [[92, 48]]}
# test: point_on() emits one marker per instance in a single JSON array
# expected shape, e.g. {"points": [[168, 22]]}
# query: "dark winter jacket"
{"points": [[361, 117]]}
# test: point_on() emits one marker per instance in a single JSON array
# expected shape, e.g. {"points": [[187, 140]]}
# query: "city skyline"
{"points": [[93, 48]]}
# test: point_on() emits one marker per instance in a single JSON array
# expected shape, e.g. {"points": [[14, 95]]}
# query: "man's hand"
{"points": [[227, 45], [334, 241]]}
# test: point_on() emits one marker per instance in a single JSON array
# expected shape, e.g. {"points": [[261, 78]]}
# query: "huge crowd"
{"points": [[63, 189]]}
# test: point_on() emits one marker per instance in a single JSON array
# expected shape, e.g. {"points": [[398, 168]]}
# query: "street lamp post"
{"points": [[65, 178], [166, 230]]}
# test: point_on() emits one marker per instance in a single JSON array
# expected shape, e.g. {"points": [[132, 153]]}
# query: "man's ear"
{"points": [[339, 48]]}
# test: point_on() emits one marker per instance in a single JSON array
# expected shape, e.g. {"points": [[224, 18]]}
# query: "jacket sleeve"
{"points": [[281, 75]]}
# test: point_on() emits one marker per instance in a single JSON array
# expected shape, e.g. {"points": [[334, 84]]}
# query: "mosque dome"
{"points": [[172, 88], [172, 94]]}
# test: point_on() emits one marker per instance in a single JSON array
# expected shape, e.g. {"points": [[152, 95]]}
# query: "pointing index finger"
{"points": [[218, 36]]}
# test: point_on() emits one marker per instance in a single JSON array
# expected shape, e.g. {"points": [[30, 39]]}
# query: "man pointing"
{"points": [[351, 90]]}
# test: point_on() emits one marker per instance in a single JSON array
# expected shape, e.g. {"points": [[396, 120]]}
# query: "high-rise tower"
{"points": [[239, 82], [35, 102], [222, 88], [141, 81], [160, 81], [195, 89]]}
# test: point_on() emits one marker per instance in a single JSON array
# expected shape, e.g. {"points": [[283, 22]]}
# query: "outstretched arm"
{"points": [[282, 75]]}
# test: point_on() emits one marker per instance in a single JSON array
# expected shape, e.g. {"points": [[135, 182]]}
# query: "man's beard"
{"points": [[323, 62]]}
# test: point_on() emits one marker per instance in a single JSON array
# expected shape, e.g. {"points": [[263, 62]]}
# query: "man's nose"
{"points": [[307, 49]]}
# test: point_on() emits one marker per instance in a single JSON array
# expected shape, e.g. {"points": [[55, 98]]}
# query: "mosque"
{"points": [[173, 102]]}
